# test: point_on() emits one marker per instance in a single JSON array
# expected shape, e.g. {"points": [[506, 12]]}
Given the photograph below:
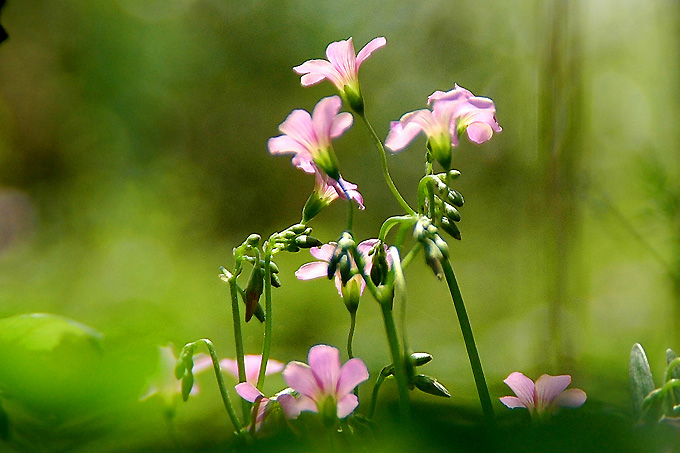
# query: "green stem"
{"points": [[397, 358], [411, 254], [383, 164], [238, 341], [350, 335], [350, 208], [221, 385], [266, 346], [469, 339], [671, 367], [381, 378]]}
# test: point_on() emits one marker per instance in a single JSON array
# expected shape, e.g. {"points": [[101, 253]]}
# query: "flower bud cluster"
{"points": [[294, 238], [436, 249], [446, 203]]}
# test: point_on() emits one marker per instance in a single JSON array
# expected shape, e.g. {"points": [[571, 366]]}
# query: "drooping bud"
{"points": [[451, 212], [253, 290], [433, 258], [451, 228], [455, 198], [379, 266], [430, 385], [187, 383], [345, 268], [307, 242]]}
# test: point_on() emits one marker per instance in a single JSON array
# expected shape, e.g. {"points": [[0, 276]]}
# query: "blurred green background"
{"points": [[133, 159]]}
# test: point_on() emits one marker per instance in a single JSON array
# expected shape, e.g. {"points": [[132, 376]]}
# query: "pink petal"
{"points": [[309, 271], [479, 132], [252, 363], [324, 361], [523, 388], [230, 366], [248, 392], [347, 404], [352, 373], [289, 405], [365, 246], [314, 71], [304, 162], [298, 125], [571, 398], [324, 252], [512, 402], [323, 116], [548, 388], [342, 57], [400, 135], [341, 123], [201, 363], [284, 144], [306, 404], [273, 367], [300, 378], [368, 49], [351, 191]]}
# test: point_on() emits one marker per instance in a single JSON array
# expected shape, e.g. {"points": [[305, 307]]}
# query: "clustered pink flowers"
{"points": [[545, 396]]}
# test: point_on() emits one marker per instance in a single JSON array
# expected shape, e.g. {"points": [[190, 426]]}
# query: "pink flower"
{"points": [[284, 399], [341, 68], [544, 397], [326, 189], [252, 364], [309, 137], [318, 269], [475, 115], [452, 113], [325, 386]]}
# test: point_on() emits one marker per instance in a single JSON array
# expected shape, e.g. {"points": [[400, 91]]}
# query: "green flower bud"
{"points": [[430, 385], [420, 358], [351, 293], [379, 267], [307, 242], [455, 198], [433, 258], [275, 281], [253, 290], [451, 228], [313, 206], [451, 212], [187, 384], [253, 240]]}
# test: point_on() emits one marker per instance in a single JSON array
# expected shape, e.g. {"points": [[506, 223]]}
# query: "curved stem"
{"points": [[220, 383], [266, 346], [470, 345], [374, 399], [350, 334], [411, 254], [383, 164], [238, 341]]}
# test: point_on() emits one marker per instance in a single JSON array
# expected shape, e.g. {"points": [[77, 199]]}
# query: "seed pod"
{"points": [[451, 228]]}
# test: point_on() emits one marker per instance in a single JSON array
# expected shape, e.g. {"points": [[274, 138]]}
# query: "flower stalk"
{"points": [[238, 341], [266, 344], [470, 345]]}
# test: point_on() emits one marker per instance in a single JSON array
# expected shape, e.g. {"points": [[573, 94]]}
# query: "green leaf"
{"points": [[641, 381], [43, 332], [675, 374]]}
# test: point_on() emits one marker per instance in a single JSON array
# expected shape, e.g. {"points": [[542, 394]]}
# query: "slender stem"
{"points": [[411, 254], [671, 367], [397, 358], [469, 339], [238, 341], [383, 163], [266, 346], [374, 399], [350, 335], [220, 383]]}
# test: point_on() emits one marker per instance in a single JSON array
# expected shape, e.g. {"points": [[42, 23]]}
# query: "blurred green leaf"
{"points": [[675, 374], [44, 332], [641, 381]]}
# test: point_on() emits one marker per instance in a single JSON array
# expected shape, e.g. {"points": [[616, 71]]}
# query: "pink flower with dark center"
{"points": [[452, 113], [252, 364], [324, 385], [284, 399], [309, 137], [543, 397], [318, 269], [341, 69]]}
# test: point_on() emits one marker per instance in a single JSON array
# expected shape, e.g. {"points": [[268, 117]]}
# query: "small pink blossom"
{"points": [[324, 385], [545, 396], [452, 113], [341, 69], [284, 399], [252, 364], [309, 137], [318, 269], [474, 115]]}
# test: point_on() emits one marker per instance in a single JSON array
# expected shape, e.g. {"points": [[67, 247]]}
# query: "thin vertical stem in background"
{"points": [[470, 345], [238, 341], [560, 142], [266, 346]]}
